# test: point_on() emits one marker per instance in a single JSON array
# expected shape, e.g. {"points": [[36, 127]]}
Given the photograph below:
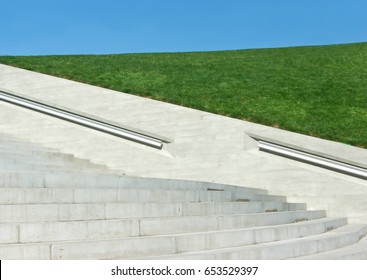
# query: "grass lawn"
{"points": [[319, 91]]}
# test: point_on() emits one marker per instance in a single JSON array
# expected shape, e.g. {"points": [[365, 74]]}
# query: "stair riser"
{"points": [[104, 229], [161, 247], [9, 233], [48, 195], [25, 252], [206, 223], [196, 209], [357, 251], [41, 162], [70, 180], [77, 231], [14, 167], [35, 196], [155, 183], [52, 212], [72, 212], [25, 149], [114, 249], [153, 246], [356, 256], [38, 155], [218, 240], [57, 180], [65, 180], [275, 252]]}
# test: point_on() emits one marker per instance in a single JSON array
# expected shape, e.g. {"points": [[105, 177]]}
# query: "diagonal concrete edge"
{"points": [[203, 146]]}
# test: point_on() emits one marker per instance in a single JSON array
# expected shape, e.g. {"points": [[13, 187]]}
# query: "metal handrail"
{"points": [[80, 119], [324, 162]]}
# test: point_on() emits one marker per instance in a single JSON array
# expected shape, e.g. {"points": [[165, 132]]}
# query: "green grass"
{"points": [[319, 91]]}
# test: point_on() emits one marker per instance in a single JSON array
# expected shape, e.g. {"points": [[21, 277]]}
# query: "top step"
{"points": [[22, 179], [60, 179]]}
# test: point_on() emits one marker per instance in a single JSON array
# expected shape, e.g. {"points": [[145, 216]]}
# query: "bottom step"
{"points": [[356, 251], [288, 249]]}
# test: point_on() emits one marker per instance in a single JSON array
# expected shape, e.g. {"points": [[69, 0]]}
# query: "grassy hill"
{"points": [[320, 91]]}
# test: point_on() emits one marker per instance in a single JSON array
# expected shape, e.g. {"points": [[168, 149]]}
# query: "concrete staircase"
{"points": [[56, 206]]}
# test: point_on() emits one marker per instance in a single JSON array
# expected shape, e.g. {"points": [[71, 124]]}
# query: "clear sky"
{"points": [[43, 27]]}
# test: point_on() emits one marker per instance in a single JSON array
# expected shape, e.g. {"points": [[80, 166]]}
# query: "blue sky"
{"points": [[44, 27]]}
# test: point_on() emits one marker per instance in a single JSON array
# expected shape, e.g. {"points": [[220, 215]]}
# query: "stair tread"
{"points": [[123, 195], [342, 253], [142, 227], [331, 235], [181, 241]]}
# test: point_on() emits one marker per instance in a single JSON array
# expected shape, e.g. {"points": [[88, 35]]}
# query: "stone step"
{"points": [[20, 179], [357, 251], [165, 184], [53, 162], [351, 204], [53, 165], [39, 251], [285, 249], [324, 200], [77, 180], [21, 163], [38, 156], [169, 225], [14, 167], [124, 195], [139, 247], [118, 228], [132, 210], [30, 154], [98, 211], [142, 247]]}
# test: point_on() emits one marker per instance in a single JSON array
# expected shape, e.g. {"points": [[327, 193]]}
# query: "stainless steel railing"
{"points": [[314, 159], [80, 119]]}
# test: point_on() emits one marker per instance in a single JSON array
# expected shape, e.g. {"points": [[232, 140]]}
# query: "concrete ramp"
{"points": [[71, 192]]}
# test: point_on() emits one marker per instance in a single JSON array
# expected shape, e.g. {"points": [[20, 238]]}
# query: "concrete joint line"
{"points": [[18, 233], [313, 159], [78, 118], [139, 227], [105, 211]]}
